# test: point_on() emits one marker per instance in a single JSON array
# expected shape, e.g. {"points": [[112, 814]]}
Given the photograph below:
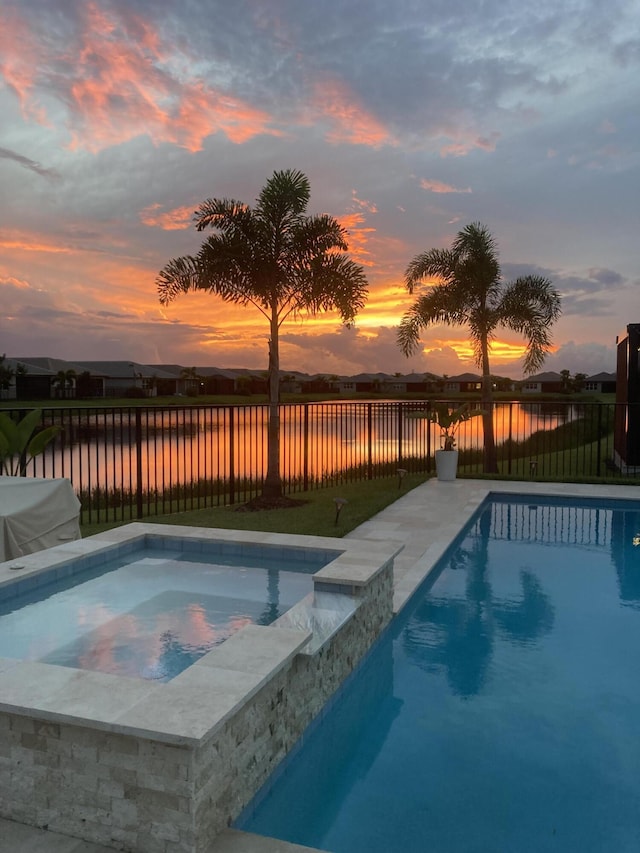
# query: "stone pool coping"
{"points": [[429, 518], [198, 702]]}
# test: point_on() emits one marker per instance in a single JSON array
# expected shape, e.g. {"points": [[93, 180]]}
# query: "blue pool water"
{"points": [[153, 611], [500, 712]]}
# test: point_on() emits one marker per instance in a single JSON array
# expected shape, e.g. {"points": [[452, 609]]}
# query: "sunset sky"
{"points": [[410, 118]]}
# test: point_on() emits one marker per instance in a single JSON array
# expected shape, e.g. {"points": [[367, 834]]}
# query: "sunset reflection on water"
{"points": [[180, 446]]}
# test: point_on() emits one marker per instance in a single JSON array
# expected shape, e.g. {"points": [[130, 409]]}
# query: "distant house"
{"points": [[394, 385], [364, 383], [320, 383], [44, 378], [463, 383], [543, 383], [345, 385], [600, 383], [30, 381], [419, 383], [122, 378]]}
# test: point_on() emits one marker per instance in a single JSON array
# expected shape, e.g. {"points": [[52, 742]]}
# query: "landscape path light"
{"points": [[339, 502]]}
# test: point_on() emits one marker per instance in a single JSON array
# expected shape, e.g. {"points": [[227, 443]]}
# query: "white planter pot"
{"points": [[446, 465]]}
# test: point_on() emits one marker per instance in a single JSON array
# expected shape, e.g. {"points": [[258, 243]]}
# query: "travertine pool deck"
{"points": [[424, 521]]}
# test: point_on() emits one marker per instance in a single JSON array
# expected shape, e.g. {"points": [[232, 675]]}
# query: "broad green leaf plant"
{"points": [[448, 420], [18, 443]]}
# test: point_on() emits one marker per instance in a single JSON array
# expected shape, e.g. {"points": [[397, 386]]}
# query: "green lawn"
{"points": [[316, 516]]}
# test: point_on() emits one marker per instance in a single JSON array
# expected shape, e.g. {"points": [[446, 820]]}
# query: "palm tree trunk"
{"points": [[272, 487], [490, 457]]}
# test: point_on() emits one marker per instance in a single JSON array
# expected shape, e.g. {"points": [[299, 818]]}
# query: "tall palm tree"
{"points": [[470, 291], [277, 259]]}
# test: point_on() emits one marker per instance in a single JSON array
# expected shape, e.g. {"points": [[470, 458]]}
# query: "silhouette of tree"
{"points": [[470, 292], [277, 259]]}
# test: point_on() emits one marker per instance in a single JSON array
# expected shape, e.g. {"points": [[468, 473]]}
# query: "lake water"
{"points": [[183, 444]]}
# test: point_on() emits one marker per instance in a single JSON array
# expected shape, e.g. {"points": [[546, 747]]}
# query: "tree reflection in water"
{"points": [[272, 606], [457, 634]]}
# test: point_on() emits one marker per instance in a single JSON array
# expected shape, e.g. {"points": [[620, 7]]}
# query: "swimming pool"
{"points": [[155, 609], [501, 704]]}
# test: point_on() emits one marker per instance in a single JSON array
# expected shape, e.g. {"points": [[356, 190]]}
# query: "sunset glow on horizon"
{"points": [[119, 120]]}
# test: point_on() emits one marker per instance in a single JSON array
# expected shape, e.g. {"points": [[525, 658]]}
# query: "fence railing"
{"points": [[130, 462]]}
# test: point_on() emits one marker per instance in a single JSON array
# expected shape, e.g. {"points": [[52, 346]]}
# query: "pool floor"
{"points": [[150, 618], [498, 712]]}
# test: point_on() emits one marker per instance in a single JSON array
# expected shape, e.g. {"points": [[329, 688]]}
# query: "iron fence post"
{"points": [[428, 449], [509, 453], [306, 448], [369, 441], [232, 443], [138, 463], [599, 447]]}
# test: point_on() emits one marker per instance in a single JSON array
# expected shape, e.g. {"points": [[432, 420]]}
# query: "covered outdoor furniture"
{"points": [[36, 514]]}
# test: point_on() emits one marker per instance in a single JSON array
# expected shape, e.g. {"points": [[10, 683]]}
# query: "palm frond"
{"points": [[530, 305], [436, 263], [317, 234], [221, 213], [178, 276], [328, 282], [284, 198], [432, 308]]}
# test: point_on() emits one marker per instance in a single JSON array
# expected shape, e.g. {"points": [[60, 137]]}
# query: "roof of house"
{"points": [[124, 370], [32, 369], [602, 377], [47, 365], [550, 376], [465, 377]]}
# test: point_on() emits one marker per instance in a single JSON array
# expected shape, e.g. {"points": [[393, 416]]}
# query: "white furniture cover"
{"points": [[36, 513]]}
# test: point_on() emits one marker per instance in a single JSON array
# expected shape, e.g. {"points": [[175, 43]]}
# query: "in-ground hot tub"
{"points": [[150, 766], [152, 606]]}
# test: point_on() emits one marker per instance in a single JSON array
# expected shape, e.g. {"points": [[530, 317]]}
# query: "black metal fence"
{"points": [[130, 462]]}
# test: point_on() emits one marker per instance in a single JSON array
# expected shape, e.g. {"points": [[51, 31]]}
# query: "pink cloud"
{"points": [[439, 187], [358, 237], [169, 220], [364, 204], [119, 82], [19, 63], [465, 146], [348, 118], [17, 283]]}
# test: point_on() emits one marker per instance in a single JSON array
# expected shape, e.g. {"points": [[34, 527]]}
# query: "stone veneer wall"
{"points": [[140, 795], [117, 790]]}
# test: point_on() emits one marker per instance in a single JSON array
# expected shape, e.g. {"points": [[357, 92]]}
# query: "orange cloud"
{"points": [[18, 283], [170, 220], [23, 242], [500, 352], [19, 63], [349, 120], [362, 203], [121, 81], [439, 187], [358, 237], [463, 147], [203, 111]]}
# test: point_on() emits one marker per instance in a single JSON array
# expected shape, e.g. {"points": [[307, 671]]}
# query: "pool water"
{"points": [[501, 709], [153, 612]]}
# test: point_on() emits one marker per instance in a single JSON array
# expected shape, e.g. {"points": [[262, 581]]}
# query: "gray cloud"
{"points": [[606, 277], [27, 163]]}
